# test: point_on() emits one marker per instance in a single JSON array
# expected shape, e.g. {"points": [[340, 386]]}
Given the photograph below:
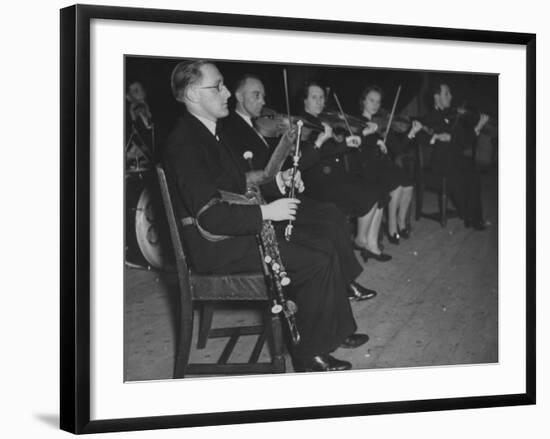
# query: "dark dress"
{"points": [[377, 168], [448, 159], [197, 167], [326, 178]]}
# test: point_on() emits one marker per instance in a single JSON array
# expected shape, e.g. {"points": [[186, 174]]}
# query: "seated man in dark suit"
{"points": [[221, 237], [315, 218]]}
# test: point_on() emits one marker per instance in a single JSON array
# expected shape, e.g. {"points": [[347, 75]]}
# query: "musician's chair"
{"points": [[211, 291]]}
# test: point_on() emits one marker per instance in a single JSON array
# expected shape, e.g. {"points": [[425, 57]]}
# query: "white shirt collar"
{"points": [[246, 118], [207, 123]]}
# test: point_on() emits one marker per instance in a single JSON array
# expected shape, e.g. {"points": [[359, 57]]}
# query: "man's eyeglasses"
{"points": [[219, 86]]}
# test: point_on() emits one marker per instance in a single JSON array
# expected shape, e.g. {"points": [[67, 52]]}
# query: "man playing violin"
{"points": [[220, 237], [327, 179], [315, 219], [447, 131]]}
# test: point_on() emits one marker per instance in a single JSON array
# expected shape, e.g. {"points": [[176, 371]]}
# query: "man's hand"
{"points": [[370, 128], [483, 119], [283, 209], [353, 141], [441, 137], [291, 134], [287, 179], [444, 137]]}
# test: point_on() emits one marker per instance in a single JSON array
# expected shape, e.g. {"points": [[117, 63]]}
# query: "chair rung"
{"points": [[228, 349], [241, 330], [258, 348], [234, 368]]}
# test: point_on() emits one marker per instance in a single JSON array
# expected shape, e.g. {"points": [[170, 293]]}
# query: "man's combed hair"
{"points": [[435, 87], [185, 74], [242, 80]]}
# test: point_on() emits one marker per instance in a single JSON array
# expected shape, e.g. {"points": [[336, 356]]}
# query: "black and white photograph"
{"points": [[278, 218], [285, 218], [275, 220]]}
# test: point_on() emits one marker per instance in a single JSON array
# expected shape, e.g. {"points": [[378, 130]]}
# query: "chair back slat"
{"points": [[175, 235]]}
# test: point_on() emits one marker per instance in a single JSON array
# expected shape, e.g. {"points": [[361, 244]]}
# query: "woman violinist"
{"points": [[375, 166], [326, 179]]}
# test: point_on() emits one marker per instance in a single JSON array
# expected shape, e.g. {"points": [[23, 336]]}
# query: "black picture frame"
{"points": [[75, 217]]}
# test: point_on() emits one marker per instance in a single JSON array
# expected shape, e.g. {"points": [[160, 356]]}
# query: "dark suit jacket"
{"points": [[446, 154], [243, 138], [197, 167]]}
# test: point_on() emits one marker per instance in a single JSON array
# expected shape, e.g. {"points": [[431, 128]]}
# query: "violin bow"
{"points": [[286, 95], [342, 113], [392, 113]]}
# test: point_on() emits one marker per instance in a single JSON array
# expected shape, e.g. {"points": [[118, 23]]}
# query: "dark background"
{"points": [[479, 91]]}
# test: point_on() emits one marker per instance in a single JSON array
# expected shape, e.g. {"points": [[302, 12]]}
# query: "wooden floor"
{"points": [[437, 304]]}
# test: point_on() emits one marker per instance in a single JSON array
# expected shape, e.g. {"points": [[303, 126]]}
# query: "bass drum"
{"points": [[145, 243]]}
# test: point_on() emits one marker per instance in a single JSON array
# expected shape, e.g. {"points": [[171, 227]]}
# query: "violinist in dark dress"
{"points": [[326, 178], [375, 165], [314, 219], [449, 134], [198, 166]]}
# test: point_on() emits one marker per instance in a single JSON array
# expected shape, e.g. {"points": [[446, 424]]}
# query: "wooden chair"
{"points": [[211, 290], [426, 179]]}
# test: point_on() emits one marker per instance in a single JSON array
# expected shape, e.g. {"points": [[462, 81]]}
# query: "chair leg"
{"points": [[183, 348], [207, 312], [444, 202], [410, 210], [383, 226], [419, 200]]}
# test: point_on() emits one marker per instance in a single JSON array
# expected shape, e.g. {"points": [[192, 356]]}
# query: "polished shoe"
{"points": [[354, 341], [394, 239], [404, 233], [321, 363], [358, 292]]}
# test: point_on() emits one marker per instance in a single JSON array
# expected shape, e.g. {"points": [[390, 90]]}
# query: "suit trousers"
{"points": [[319, 283]]}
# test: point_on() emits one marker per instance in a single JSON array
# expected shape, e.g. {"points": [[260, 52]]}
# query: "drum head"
{"points": [[147, 232], [147, 242]]}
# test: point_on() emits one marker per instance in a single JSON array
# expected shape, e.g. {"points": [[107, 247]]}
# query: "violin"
{"points": [[343, 122], [272, 124], [399, 124], [472, 114]]}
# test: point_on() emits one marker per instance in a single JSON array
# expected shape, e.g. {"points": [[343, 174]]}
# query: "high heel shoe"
{"points": [[367, 254], [404, 233], [394, 239], [382, 257]]}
